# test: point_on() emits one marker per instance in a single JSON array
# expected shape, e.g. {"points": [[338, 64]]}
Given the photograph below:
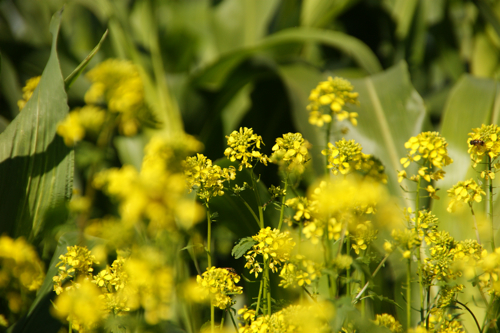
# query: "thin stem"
{"points": [[267, 286], [283, 199], [234, 323], [259, 202], [348, 268], [221, 323], [475, 223], [419, 256], [250, 209], [489, 206], [408, 295], [259, 297], [212, 318], [209, 237], [358, 296], [327, 140], [472, 314]]}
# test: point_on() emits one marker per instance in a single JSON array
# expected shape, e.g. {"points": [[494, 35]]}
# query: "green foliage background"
{"points": [[213, 66]]}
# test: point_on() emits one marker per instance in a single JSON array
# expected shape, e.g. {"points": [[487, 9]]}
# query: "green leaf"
{"points": [[390, 112], [36, 168], [242, 247], [213, 76], [473, 101], [76, 73]]}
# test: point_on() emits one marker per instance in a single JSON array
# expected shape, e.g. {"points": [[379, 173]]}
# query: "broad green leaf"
{"points": [[472, 102], [402, 11], [390, 112], [36, 168], [318, 13], [242, 247], [214, 75]]}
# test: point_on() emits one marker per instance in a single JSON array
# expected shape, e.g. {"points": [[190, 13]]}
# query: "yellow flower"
{"points": [[244, 146], [465, 191], [483, 141], [219, 284], [28, 90], [328, 100], [386, 320], [299, 271], [71, 129], [344, 156], [291, 151]]}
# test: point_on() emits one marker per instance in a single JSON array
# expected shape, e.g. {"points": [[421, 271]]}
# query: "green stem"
{"points": [[283, 200], [408, 295], [475, 223], [489, 206], [358, 296], [327, 257], [259, 297], [209, 237], [327, 140], [259, 202], [472, 314], [348, 269], [267, 286], [221, 323], [363, 300], [234, 323], [419, 260], [212, 318], [250, 209]]}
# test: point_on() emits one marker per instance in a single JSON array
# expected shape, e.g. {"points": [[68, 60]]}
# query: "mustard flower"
{"points": [[302, 208], [334, 93], [82, 306], [431, 148], [344, 156], [149, 283], [386, 320], [372, 167], [207, 179], [299, 271], [71, 129], [112, 282], [28, 90], [118, 84], [156, 194], [363, 234], [483, 141], [343, 261], [406, 239], [219, 284], [77, 261], [21, 275], [273, 246], [467, 192], [244, 146], [292, 152]]}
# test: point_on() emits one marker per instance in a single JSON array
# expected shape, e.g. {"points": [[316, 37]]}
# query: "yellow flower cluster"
{"points": [[292, 152], [244, 146], [484, 141], [118, 85], [299, 271], [207, 179], [274, 246], [386, 320], [88, 119], [407, 240], [28, 90], [112, 281], [21, 274], [82, 306], [292, 319], [431, 149], [157, 193], [332, 95], [77, 262], [441, 321], [344, 156], [219, 284], [467, 192]]}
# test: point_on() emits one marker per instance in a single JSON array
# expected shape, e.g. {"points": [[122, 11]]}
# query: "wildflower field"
{"points": [[249, 166]]}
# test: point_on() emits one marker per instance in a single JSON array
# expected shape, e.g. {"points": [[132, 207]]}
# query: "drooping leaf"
{"points": [[36, 168], [213, 76], [242, 247]]}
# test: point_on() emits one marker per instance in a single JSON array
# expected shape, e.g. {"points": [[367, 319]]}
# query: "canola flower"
{"points": [[156, 194], [467, 191], [207, 179], [430, 150], [386, 320], [291, 152], [77, 262], [79, 122], [117, 84], [299, 271], [482, 142], [21, 275], [291, 319], [275, 247], [344, 156], [329, 98], [244, 146], [218, 285], [28, 90], [82, 306]]}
